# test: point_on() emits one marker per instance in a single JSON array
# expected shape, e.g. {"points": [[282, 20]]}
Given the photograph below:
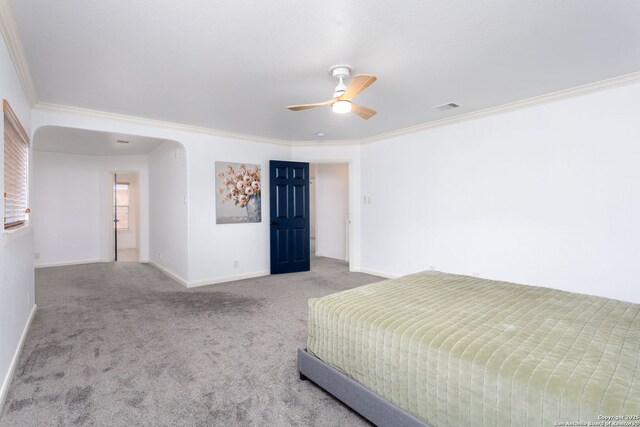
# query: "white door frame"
{"points": [[349, 237]]}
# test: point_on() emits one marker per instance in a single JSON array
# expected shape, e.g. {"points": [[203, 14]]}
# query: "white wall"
{"points": [[72, 200], [16, 253], [546, 195], [332, 208], [128, 238], [66, 208], [168, 219]]}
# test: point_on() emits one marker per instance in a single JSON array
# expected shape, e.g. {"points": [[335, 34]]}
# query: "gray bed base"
{"points": [[370, 405]]}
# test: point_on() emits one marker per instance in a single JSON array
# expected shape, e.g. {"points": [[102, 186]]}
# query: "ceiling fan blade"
{"points": [[307, 106], [362, 111], [358, 84]]}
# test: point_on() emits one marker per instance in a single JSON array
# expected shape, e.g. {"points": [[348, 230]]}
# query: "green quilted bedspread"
{"points": [[462, 351]]}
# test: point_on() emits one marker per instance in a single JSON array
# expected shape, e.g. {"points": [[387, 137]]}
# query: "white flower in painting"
{"points": [[239, 186]]}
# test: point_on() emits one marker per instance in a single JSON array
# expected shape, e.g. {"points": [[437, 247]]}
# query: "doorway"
{"points": [[329, 210], [126, 216]]}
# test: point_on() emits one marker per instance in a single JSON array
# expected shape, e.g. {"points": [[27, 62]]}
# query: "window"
{"points": [[121, 205], [16, 170]]}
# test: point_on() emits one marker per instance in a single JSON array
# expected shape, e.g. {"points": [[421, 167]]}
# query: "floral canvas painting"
{"points": [[238, 193]]}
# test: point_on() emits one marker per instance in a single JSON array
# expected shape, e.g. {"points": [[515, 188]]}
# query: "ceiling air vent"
{"points": [[445, 107]]}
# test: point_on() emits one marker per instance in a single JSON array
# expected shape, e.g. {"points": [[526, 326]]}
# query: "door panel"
{"points": [[300, 201], [289, 215], [281, 201], [299, 244], [282, 238]]}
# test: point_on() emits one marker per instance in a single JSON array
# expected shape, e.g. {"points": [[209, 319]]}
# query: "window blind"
{"points": [[16, 167]]}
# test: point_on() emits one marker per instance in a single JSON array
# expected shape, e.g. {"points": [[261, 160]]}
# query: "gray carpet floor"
{"points": [[121, 344]]}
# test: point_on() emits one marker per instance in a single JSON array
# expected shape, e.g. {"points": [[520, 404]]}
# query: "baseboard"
{"points": [[375, 273], [16, 356], [205, 282], [144, 260], [225, 279], [318, 254], [65, 263], [169, 273]]}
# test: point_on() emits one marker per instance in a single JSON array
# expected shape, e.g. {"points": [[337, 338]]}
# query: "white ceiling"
{"points": [[89, 142], [235, 65]]}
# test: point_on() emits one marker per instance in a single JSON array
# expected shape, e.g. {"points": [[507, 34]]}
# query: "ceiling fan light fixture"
{"points": [[341, 107], [343, 94]]}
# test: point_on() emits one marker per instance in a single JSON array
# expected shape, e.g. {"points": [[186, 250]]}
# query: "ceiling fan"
{"points": [[343, 94]]}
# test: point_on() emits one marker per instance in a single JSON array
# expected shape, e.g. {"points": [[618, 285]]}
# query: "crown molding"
{"points": [[9, 29], [57, 108], [624, 80], [326, 143], [529, 102]]}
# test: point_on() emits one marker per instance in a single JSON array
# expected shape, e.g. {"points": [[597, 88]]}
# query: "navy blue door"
{"points": [[289, 209]]}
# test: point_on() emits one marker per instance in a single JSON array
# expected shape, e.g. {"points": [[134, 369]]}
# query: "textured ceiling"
{"points": [[234, 65], [94, 143]]}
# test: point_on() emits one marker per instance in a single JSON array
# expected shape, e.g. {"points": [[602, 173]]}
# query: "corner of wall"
{"points": [[169, 273], [4, 389]]}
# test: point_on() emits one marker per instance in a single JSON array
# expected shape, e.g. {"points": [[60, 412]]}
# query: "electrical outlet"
{"points": [[432, 267], [36, 255], [368, 200], [159, 255], [236, 263]]}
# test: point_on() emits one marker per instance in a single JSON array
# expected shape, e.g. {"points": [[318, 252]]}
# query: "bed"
{"points": [[447, 350]]}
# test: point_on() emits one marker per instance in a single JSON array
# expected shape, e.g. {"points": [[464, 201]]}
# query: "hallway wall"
{"points": [[332, 209], [212, 248], [73, 206], [168, 222]]}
